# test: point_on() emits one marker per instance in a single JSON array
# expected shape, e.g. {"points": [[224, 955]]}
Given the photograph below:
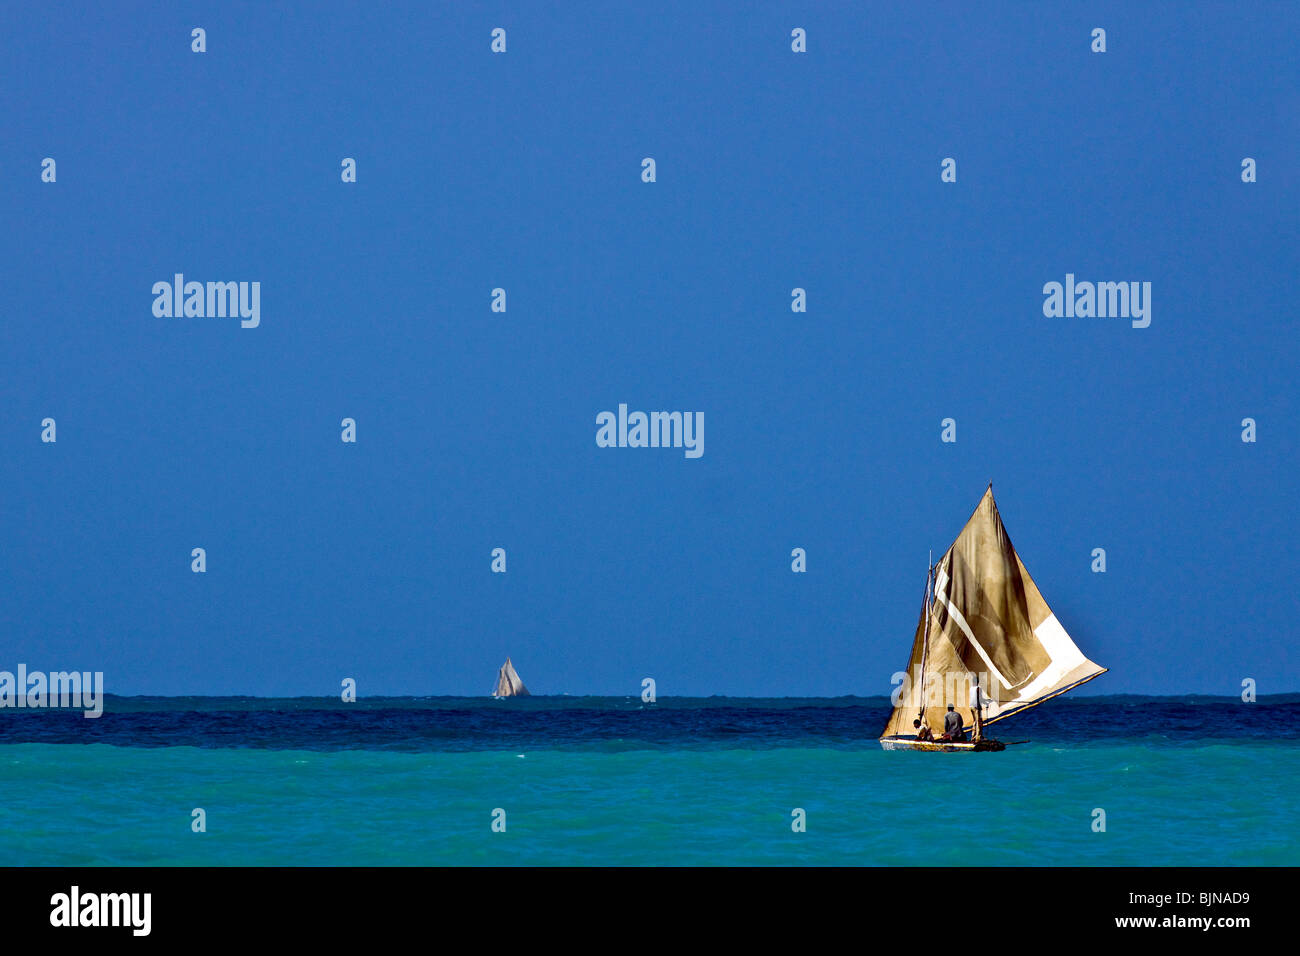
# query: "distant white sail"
{"points": [[508, 682], [989, 624]]}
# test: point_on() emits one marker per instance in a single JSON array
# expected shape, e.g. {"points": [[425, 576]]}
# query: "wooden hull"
{"points": [[911, 743]]}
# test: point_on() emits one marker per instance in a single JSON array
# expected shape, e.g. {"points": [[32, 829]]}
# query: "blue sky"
{"points": [[477, 430]]}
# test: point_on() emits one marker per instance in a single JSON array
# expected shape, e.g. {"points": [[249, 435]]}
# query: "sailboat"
{"points": [[986, 642], [508, 682]]}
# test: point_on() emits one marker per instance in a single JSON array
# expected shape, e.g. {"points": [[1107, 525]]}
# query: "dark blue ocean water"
{"points": [[584, 780]]}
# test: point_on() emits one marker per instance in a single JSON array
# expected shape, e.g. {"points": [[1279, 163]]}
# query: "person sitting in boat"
{"points": [[923, 731], [952, 727]]}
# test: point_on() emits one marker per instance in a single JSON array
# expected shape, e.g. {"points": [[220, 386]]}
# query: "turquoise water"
{"points": [[721, 794]]}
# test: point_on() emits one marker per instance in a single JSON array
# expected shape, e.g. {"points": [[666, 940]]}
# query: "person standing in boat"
{"points": [[952, 726]]}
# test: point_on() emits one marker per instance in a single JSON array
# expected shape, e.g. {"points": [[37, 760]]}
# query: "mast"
{"points": [[925, 646]]}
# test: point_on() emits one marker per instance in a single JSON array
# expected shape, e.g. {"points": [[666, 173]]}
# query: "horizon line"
{"points": [[1080, 697]]}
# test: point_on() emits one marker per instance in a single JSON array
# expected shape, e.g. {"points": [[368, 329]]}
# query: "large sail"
{"points": [[989, 624], [508, 682]]}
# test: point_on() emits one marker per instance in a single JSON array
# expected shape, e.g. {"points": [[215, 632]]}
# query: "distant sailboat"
{"points": [[508, 682], [986, 642]]}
